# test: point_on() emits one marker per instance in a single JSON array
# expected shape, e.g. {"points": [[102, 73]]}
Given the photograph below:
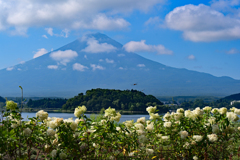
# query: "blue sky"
{"points": [[197, 35]]}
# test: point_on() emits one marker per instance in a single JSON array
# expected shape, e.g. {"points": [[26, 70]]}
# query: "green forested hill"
{"points": [[233, 97], [131, 100], [2, 99], [46, 103]]}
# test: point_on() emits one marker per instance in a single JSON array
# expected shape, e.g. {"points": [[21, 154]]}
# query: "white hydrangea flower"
{"points": [[195, 158], [55, 123], [149, 151], [16, 123], [73, 126], [62, 155], [42, 115], [212, 137], [128, 124], [167, 117], [116, 118], [141, 120], [142, 138], [212, 120], [238, 128], [198, 138], [27, 131], [80, 110], [187, 113], [207, 108], [233, 109], [139, 126], [55, 142], [187, 145], [151, 109], [190, 114], [198, 111], [167, 124], [148, 122], [215, 128], [215, 110], [54, 153], [150, 127], [110, 112], [131, 154], [165, 138], [159, 135], [183, 134], [118, 128], [237, 111], [154, 116], [51, 132], [11, 105], [180, 110], [178, 116], [128, 133], [223, 110], [140, 132], [232, 116]]}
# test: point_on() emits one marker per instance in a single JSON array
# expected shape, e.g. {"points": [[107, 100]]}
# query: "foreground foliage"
{"points": [[199, 134]]}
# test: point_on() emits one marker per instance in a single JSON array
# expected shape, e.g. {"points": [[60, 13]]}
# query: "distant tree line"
{"points": [[46, 103], [128, 100]]}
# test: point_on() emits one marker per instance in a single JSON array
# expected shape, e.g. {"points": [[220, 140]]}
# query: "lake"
{"points": [[71, 115]]}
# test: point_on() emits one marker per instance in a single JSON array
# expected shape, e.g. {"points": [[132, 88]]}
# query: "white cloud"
{"points": [[10, 68], [233, 51], [121, 55], [95, 47], [141, 65], [49, 31], [44, 36], [22, 62], [95, 67], [79, 67], [40, 52], [52, 66], [64, 56], [64, 33], [120, 67], [224, 5], [100, 60], [109, 60], [85, 56], [70, 14], [191, 57], [19, 69], [152, 21], [134, 46], [203, 23]]}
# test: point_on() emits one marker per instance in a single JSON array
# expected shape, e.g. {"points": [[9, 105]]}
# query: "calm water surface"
{"points": [[71, 115]]}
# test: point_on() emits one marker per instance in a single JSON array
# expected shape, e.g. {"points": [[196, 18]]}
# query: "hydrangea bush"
{"points": [[199, 134]]}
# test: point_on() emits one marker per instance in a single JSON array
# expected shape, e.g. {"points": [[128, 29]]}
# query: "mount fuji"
{"points": [[97, 61]]}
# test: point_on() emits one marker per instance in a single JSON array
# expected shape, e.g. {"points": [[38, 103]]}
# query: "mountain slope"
{"points": [[233, 97], [97, 61]]}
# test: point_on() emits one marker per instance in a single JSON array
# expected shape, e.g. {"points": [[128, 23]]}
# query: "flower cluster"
{"points": [[79, 111], [11, 105], [42, 115]]}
